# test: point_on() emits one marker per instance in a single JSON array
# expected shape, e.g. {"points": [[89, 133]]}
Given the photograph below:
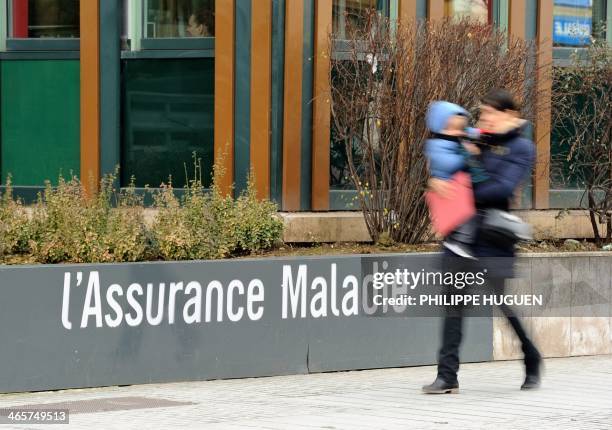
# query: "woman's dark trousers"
{"points": [[448, 356]]}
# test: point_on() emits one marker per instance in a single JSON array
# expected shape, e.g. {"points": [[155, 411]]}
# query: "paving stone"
{"points": [[575, 395]]}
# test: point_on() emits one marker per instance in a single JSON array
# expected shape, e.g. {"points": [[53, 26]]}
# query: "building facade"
{"points": [[88, 85]]}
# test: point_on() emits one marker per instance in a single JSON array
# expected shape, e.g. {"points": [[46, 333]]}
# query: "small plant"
{"points": [[14, 224], [257, 225], [60, 229], [193, 227], [69, 226], [126, 236], [207, 224]]}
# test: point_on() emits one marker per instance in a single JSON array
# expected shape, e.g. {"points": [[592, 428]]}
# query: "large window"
{"points": [[43, 19], [478, 10], [575, 24], [179, 18], [168, 114], [347, 13], [167, 90]]}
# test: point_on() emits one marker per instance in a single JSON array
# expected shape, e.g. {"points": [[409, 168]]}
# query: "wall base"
{"points": [[349, 226]]}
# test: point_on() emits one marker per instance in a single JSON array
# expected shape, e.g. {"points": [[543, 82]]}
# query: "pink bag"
{"points": [[449, 213]]}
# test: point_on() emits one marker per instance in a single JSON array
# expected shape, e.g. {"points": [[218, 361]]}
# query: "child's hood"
{"points": [[438, 114]]}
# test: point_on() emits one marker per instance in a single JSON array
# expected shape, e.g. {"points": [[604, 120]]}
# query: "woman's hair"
{"points": [[500, 100], [204, 16]]}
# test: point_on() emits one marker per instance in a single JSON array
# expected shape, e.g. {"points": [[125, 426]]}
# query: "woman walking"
{"points": [[507, 158]]}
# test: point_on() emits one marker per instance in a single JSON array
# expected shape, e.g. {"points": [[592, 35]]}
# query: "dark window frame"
{"points": [[37, 45], [190, 47]]}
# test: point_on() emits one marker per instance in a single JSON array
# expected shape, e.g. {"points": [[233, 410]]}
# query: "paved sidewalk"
{"points": [[577, 394]]}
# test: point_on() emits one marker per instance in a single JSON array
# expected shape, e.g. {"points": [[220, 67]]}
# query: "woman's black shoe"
{"points": [[531, 382], [440, 386], [533, 368]]}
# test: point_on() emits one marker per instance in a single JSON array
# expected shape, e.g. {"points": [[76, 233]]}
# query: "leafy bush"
{"points": [[257, 227], [194, 226], [208, 225], [68, 226], [15, 228], [127, 238]]}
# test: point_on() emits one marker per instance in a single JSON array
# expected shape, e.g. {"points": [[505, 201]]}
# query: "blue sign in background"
{"points": [[572, 30], [571, 27], [574, 3]]}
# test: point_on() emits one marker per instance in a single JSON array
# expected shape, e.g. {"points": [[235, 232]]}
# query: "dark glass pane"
{"points": [[179, 18], [44, 18], [339, 172], [168, 114]]}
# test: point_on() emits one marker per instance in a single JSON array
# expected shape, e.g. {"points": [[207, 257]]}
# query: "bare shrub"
{"points": [[582, 117], [382, 81]]}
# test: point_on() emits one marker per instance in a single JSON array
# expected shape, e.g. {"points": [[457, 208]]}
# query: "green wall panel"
{"points": [[39, 119]]}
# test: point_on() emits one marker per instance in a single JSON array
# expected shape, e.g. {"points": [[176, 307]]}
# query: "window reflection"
{"points": [[349, 11], [44, 18], [477, 10], [572, 22], [179, 18]]}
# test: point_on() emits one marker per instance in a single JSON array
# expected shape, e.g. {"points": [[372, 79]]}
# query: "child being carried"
{"points": [[448, 152]]}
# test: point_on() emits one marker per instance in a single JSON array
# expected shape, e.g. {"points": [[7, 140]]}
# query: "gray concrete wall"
{"points": [[580, 285], [72, 326]]}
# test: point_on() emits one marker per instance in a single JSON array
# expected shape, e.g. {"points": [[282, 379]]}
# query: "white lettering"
{"points": [[351, 296], [160, 304], [134, 320], [253, 297], [93, 293], [234, 316], [334, 305], [297, 292], [175, 287], [114, 322], [195, 303], [214, 286], [320, 297], [66, 302]]}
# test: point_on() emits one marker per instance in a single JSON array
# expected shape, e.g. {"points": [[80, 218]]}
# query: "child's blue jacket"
{"points": [[445, 157]]}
